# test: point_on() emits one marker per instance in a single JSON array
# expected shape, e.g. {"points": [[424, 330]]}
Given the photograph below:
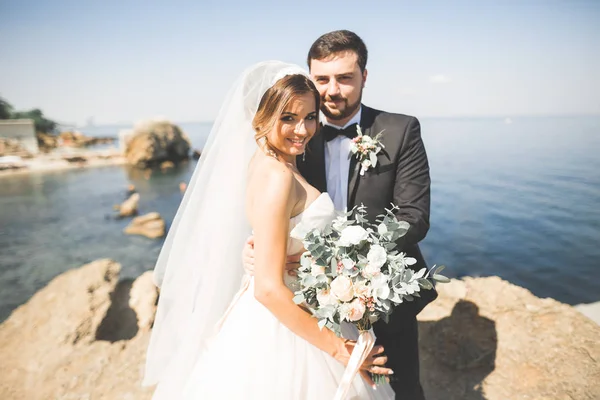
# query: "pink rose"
{"points": [[357, 310], [325, 297]]}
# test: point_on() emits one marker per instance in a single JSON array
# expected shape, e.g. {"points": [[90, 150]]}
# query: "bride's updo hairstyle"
{"points": [[275, 100]]}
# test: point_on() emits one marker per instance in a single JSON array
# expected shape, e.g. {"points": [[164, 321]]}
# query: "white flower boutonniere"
{"points": [[366, 149]]}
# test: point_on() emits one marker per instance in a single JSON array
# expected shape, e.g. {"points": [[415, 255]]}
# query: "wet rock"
{"points": [[154, 142], [150, 225]]}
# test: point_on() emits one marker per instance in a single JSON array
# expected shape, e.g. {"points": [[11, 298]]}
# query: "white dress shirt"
{"points": [[337, 164]]}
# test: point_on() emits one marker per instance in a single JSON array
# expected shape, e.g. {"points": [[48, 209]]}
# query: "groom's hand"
{"points": [[374, 363], [292, 262]]}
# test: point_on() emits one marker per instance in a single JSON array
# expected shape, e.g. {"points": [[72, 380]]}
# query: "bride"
{"points": [[211, 338]]}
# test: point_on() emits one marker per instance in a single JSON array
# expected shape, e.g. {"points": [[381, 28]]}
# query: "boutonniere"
{"points": [[366, 148]]}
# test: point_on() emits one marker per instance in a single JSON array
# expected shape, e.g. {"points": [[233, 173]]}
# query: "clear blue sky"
{"points": [[120, 61]]}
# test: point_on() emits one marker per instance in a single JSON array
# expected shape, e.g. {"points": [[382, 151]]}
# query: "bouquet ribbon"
{"points": [[363, 347]]}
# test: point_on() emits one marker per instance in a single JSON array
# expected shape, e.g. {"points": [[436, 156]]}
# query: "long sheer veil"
{"points": [[199, 268]]}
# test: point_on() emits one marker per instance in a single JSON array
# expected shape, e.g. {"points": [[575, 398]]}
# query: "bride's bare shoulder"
{"points": [[268, 173], [270, 183]]}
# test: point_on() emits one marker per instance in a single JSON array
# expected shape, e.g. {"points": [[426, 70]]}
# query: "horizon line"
{"points": [[498, 116]]}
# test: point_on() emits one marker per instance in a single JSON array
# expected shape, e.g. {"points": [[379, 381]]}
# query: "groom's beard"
{"points": [[342, 112]]}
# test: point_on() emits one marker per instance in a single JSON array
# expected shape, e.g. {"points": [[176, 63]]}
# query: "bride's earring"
{"points": [[303, 154]]}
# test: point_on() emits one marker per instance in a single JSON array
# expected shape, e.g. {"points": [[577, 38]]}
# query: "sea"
{"points": [[517, 198]]}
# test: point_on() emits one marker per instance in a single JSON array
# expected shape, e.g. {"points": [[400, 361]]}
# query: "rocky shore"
{"points": [[85, 334], [82, 158], [151, 143]]}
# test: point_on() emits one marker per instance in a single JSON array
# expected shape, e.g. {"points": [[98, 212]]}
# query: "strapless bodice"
{"points": [[318, 214]]}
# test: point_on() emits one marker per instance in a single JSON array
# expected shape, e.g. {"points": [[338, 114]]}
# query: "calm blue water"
{"points": [[520, 200]]}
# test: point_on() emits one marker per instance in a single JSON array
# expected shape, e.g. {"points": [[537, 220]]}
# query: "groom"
{"points": [[337, 64]]}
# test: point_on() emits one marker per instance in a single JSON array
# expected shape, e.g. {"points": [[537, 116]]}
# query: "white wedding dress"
{"points": [[254, 356]]}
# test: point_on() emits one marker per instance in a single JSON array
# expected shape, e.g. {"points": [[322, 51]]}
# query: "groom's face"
{"points": [[340, 83]]}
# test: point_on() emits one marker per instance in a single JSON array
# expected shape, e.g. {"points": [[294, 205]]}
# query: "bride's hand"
{"points": [[374, 363]]}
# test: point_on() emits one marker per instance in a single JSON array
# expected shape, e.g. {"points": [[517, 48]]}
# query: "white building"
{"points": [[22, 130]]}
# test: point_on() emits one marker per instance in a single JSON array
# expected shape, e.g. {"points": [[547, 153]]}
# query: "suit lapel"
{"points": [[321, 178], [313, 168], [366, 121]]}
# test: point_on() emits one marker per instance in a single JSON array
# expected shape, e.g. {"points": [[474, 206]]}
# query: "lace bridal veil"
{"points": [[199, 268]]}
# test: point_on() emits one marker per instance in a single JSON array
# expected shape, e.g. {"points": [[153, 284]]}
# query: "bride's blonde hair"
{"points": [[273, 103]]}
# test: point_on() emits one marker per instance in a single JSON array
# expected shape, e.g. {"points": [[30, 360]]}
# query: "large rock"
{"points": [[155, 141], [83, 336], [46, 142], [78, 139], [130, 206], [150, 225], [12, 147], [485, 338]]}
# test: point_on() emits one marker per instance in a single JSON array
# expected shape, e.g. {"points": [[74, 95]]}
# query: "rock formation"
{"points": [[130, 206], [78, 139], [150, 225], [484, 338], [12, 147], [155, 141], [84, 336]]}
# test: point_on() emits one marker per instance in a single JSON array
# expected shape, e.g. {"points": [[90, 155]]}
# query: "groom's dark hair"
{"points": [[337, 42]]}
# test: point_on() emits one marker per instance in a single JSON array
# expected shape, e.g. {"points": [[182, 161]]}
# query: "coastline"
{"points": [[87, 331], [57, 161]]}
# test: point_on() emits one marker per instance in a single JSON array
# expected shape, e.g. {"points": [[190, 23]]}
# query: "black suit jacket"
{"points": [[401, 177]]}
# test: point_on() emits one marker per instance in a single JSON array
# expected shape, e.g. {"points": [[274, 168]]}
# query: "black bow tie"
{"points": [[330, 133]]}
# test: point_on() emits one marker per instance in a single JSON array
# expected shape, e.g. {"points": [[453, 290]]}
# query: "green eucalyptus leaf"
{"points": [[438, 269], [309, 280], [299, 299], [440, 278]]}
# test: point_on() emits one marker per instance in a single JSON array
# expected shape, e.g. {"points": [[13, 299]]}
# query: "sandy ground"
{"points": [[59, 161]]}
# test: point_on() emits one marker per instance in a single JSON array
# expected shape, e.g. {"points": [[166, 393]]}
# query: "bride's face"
{"points": [[296, 125]]}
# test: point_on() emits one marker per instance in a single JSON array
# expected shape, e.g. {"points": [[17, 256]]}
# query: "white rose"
{"points": [[345, 310], [325, 297], [317, 270], [357, 310], [352, 235], [380, 287], [338, 222], [342, 288], [377, 256], [362, 289], [371, 270]]}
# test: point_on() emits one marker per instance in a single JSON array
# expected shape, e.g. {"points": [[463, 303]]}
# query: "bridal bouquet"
{"points": [[353, 272]]}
